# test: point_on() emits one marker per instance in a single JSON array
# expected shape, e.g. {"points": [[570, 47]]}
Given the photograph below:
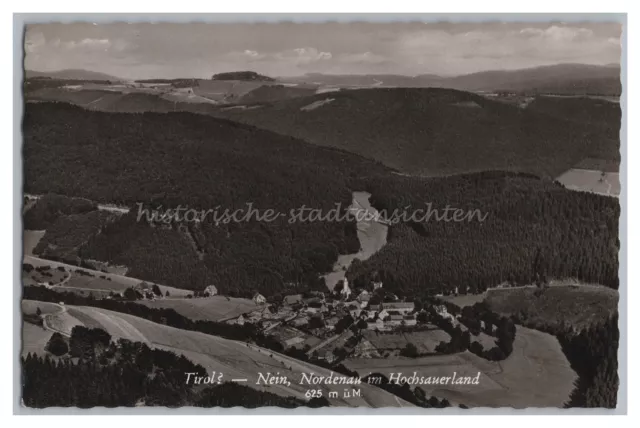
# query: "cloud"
{"points": [[304, 55], [175, 50], [34, 42], [362, 58], [558, 34], [88, 44]]}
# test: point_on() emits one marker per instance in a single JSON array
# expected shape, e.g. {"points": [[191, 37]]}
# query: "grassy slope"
{"points": [[233, 359], [30, 240], [208, 309], [536, 374], [29, 307], [34, 339]]}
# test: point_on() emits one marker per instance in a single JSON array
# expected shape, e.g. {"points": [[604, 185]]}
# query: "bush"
{"points": [[410, 351], [57, 345]]}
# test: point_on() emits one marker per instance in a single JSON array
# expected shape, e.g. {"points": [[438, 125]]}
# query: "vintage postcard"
{"points": [[413, 214]]}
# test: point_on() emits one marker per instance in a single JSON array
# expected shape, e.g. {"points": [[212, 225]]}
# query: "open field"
{"points": [[62, 322], [29, 307], [578, 306], [209, 309], [30, 240], [41, 278], [34, 339], [97, 283], [235, 360], [536, 374], [425, 341], [463, 300], [602, 183]]}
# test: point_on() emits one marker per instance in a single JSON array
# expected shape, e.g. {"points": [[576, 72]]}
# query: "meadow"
{"points": [[425, 341], [209, 308], [536, 374]]}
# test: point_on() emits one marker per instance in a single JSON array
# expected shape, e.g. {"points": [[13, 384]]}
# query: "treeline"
{"points": [[125, 373], [532, 229], [593, 355], [170, 317], [182, 159], [472, 317]]}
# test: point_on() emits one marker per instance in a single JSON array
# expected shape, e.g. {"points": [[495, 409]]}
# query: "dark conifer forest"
{"points": [[533, 229]]}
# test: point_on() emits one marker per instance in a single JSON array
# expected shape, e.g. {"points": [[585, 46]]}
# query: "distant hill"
{"points": [[438, 131], [560, 79], [423, 131], [270, 93], [71, 74], [367, 80], [242, 75]]}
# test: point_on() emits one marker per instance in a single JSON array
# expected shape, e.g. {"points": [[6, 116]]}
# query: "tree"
{"points": [[38, 311], [362, 324], [57, 345], [131, 294], [167, 294], [315, 322], [156, 290], [410, 351]]}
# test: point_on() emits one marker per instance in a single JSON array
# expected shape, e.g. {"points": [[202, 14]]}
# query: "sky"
{"points": [[165, 50]]}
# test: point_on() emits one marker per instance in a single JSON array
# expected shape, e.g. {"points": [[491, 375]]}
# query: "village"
{"points": [[332, 326]]}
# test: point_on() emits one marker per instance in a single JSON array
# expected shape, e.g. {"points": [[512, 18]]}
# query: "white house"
{"points": [[375, 325], [240, 320], [259, 299]]}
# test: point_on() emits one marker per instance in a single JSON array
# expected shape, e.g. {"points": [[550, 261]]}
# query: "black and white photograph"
{"points": [[334, 214]]}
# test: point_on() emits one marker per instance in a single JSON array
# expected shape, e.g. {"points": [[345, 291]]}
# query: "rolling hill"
{"points": [[182, 159], [560, 79], [71, 74], [436, 131], [235, 360]]}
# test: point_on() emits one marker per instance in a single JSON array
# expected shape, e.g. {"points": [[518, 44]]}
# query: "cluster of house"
{"points": [[322, 313], [387, 315]]}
